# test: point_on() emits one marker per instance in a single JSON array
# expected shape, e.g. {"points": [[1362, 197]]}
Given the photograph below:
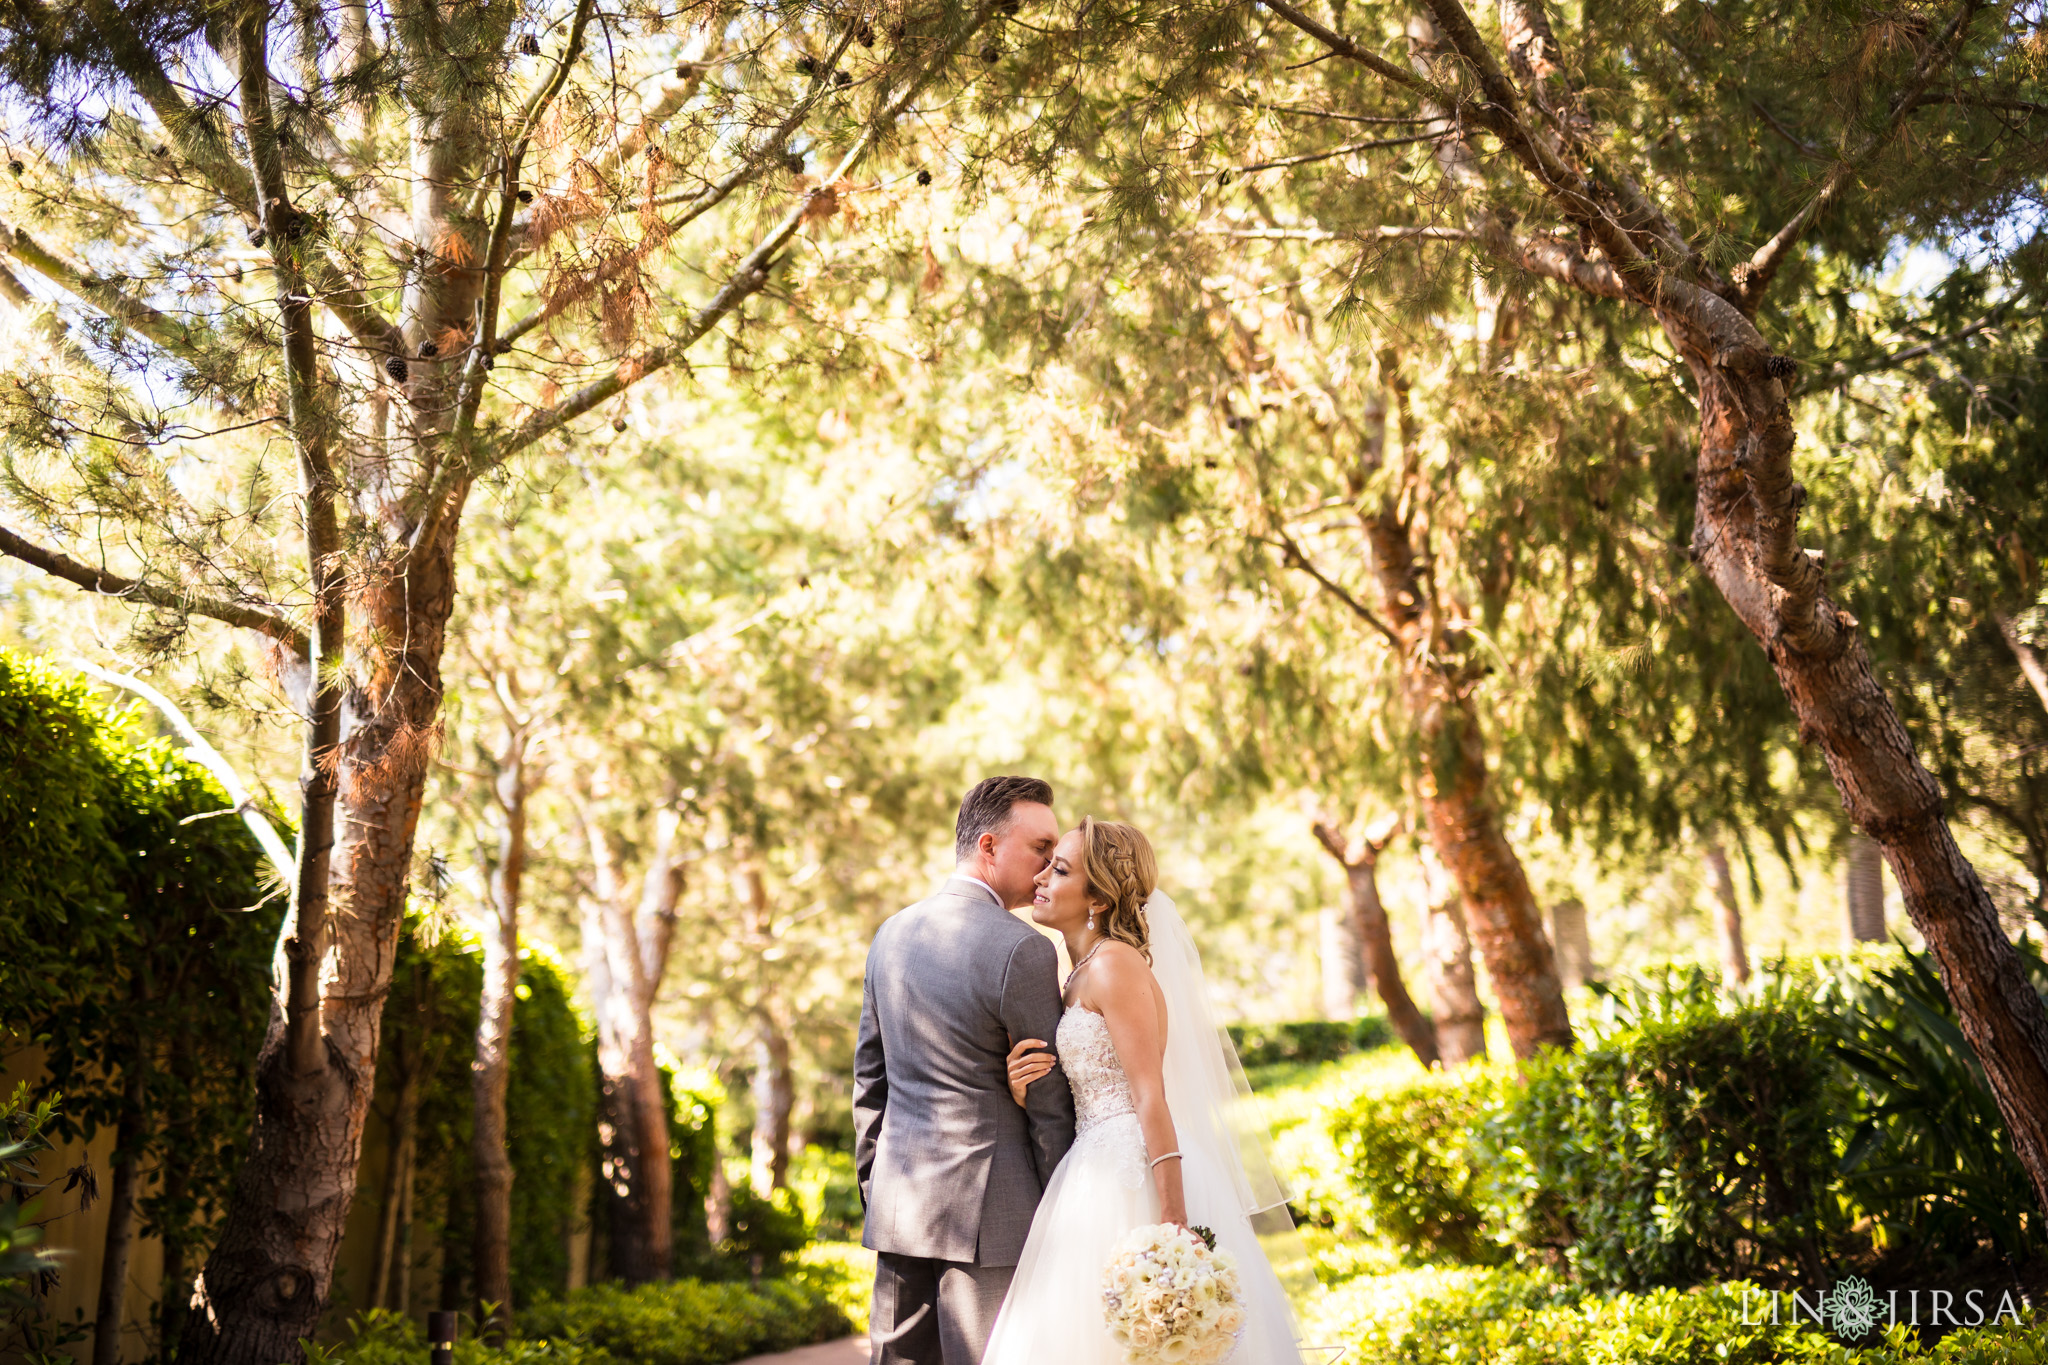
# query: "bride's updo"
{"points": [[1121, 871]]}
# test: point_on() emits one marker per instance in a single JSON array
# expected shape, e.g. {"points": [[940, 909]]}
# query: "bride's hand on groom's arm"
{"points": [[1027, 1065]]}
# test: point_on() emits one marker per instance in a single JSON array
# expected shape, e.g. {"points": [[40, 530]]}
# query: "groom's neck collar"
{"points": [[961, 874]]}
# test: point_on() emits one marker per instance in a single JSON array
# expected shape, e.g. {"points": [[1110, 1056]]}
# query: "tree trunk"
{"points": [[177, 1289], [1346, 981], [491, 1247], [1454, 992], [2031, 667], [1745, 538], [120, 1241], [1573, 945], [774, 1094], [397, 1174], [1437, 687], [625, 956], [1376, 940], [1863, 891], [718, 1203], [1727, 917]]}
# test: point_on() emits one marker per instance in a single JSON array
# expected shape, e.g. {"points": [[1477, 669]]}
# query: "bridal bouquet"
{"points": [[1170, 1298]]}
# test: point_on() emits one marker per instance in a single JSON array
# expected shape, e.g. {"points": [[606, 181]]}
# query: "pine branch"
{"points": [[108, 299], [194, 137], [749, 277], [1385, 233], [1755, 276], [1371, 61], [1294, 555], [1308, 158], [59, 565]]}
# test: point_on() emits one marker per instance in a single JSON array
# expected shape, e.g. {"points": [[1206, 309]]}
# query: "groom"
{"points": [[950, 1169]]}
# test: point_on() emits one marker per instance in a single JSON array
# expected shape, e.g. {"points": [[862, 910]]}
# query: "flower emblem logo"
{"points": [[1853, 1307]]}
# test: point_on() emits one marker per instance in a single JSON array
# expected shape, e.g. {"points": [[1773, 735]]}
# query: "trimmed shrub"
{"points": [[1515, 1318], [1316, 1040], [688, 1322], [1694, 1146], [1412, 1155]]}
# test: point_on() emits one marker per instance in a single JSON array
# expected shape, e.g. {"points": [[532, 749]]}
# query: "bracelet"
{"points": [[1168, 1157]]}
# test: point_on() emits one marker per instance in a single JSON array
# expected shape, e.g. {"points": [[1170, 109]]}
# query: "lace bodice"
{"points": [[1101, 1090]]}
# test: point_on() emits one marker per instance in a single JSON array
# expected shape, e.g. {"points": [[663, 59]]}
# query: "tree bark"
{"points": [[1569, 938], [2030, 662], [120, 1239], [1745, 538], [491, 1073], [1454, 992], [1727, 916], [1453, 782], [1863, 891], [397, 1174], [177, 1289], [774, 1094], [625, 956], [1376, 938]]}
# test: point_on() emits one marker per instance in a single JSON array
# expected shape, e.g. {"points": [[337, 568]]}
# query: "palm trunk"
{"points": [[1727, 917], [120, 1239], [1863, 891], [491, 1246], [1376, 941]]}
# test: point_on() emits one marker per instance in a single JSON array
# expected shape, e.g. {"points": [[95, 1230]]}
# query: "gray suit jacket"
{"points": [[949, 1167]]}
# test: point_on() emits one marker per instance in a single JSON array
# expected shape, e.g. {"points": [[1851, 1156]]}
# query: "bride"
{"points": [[1161, 1131]]}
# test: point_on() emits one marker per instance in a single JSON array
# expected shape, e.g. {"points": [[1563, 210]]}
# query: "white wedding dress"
{"points": [[1103, 1188]]}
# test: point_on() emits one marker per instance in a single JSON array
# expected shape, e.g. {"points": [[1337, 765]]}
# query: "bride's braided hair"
{"points": [[1118, 864]]}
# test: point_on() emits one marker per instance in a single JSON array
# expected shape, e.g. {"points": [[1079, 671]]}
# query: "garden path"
{"points": [[845, 1351]]}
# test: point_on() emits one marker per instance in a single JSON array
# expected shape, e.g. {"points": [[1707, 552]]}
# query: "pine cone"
{"points": [[529, 45], [395, 367], [841, 78], [807, 65], [618, 424], [865, 35], [16, 167], [794, 161], [429, 349], [990, 53], [924, 177], [524, 196]]}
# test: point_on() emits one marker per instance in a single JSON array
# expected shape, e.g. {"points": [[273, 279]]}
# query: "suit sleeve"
{"points": [[1031, 1009], [870, 1087]]}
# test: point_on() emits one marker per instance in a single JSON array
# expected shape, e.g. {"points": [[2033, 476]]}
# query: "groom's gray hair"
{"points": [[986, 808]]}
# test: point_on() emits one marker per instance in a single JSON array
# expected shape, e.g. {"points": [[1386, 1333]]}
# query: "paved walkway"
{"points": [[846, 1351]]}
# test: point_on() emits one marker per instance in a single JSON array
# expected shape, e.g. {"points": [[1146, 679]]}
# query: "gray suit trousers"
{"points": [[928, 1312]]}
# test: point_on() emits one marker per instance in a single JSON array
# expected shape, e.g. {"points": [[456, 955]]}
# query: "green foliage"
{"points": [[1412, 1154], [1513, 1317], [766, 1230], [688, 1322], [135, 939], [827, 1193], [1697, 1144], [1316, 1040], [551, 1102], [22, 1257], [693, 1137], [1929, 1156], [550, 1108]]}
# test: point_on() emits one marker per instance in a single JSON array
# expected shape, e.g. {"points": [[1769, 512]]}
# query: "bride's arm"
{"points": [[1122, 989]]}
